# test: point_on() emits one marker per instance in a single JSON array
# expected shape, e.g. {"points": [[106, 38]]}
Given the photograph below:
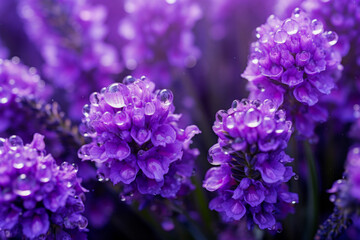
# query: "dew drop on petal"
{"points": [[317, 27], [280, 36], [331, 37], [291, 26], [252, 118]]}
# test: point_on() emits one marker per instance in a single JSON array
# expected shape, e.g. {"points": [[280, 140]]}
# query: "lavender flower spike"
{"points": [[294, 63], [346, 197], [136, 140], [16, 82], [251, 171], [158, 36], [38, 199]]}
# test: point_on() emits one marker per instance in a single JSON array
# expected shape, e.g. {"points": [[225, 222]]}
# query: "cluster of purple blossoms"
{"points": [[294, 63], [250, 164], [70, 36], [38, 199], [136, 140], [16, 82], [159, 36], [342, 16], [346, 197]]}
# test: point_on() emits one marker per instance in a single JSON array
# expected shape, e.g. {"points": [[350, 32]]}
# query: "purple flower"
{"points": [[159, 36], [294, 63], [136, 140], [36, 195], [251, 171], [70, 36], [342, 16], [16, 82]]}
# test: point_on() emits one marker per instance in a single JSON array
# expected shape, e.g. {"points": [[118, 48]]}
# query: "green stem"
{"points": [[313, 193]]}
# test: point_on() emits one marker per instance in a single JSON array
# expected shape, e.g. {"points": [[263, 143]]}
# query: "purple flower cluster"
{"points": [[250, 164], [136, 140], [342, 16], [38, 199], [159, 36], [70, 36], [294, 63], [16, 82], [346, 197]]}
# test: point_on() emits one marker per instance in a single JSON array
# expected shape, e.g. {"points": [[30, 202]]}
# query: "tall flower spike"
{"points": [[136, 140], [159, 36], [38, 199], [17, 82], [294, 63], [346, 197], [70, 36], [342, 16], [251, 171]]}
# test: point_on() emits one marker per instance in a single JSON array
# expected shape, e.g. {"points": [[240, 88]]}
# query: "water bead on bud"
{"points": [[317, 26], [252, 118], [166, 97], [291, 26], [86, 110], [128, 80], [15, 142], [150, 108], [23, 185], [115, 95], [331, 37], [94, 98], [280, 36], [220, 115]]}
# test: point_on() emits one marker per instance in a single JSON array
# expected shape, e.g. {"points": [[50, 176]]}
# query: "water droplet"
{"points": [[268, 125], [69, 184], [15, 142], [256, 103], [331, 37], [23, 185], [296, 177], [332, 198], [121, 119], [269, 105], [129, 80], [75, 167], [149, 108], [230, 122], [94, 98], [293, 202], [245, 102], [114, 95], [100, 177], [235, 104], [18, 161], [84, 152], [86, 110], [297, 12], [280, 36], [252, 118], [166, 97], [44, 173], [317, 27], [291, 26], [280, 115], [220, 115]]}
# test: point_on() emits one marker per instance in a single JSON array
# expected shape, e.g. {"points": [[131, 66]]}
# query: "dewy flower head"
{"points": [[16, 82], [294, 63], [159, 34], [136, 140], [250, 163], [71, 38], [37, 197]]}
